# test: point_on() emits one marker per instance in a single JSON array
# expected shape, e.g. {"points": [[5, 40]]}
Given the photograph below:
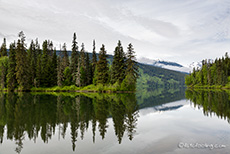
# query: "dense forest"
{"points": [[211, 74], [23, 68]]}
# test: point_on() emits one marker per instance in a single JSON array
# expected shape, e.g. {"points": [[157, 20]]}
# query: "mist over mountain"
{"points": [[165, 64]]}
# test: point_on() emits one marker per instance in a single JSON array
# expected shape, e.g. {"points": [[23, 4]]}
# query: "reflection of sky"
{"points": [[157, 132]]}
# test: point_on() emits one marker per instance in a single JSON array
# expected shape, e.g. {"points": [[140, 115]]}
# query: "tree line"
{"points": [[211, 73], [41, 66]]}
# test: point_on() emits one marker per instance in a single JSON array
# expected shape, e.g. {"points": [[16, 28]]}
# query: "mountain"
{"points": [[164, 64]]}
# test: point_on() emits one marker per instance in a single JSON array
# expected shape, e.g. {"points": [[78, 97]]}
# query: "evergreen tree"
{"points": [[45, 65], [131, 74], [11, 76], [3, 71], [60, 75], [82, 66], [67, 77], [118, 65], [88, 70], [38, 62], [31, 63], [94, 58], [78, 75], [53, 79], [3, 49], [65, 59], [21, 61], [102, 67], [74, 58]]}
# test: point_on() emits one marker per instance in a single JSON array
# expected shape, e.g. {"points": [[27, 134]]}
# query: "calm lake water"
{"points": [[159, 121]]}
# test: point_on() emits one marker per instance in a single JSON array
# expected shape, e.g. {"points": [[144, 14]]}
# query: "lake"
{"points": [[150, 121]]}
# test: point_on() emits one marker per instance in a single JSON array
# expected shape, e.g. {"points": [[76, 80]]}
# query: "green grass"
{"points": [[90, 88]]}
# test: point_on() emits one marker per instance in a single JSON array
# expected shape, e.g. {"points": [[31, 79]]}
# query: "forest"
{"points": [[212, 74], [38, 66]]}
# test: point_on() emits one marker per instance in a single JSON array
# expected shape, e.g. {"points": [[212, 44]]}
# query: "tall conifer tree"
{"points": [[102, 67], [21, 63], [118, 65], [74, 57], [94, 58], [3, 49], [11, 76], [131, 74]]}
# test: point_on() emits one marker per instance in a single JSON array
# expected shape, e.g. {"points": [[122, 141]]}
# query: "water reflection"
{"points": [[212, 102], [26, 115]]}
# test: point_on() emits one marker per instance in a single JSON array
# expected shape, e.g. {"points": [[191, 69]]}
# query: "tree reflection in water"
{"points": [[31, 115], [212, 102]]}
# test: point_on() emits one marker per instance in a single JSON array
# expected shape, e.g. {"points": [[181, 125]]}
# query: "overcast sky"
{"points": [[182, 31]]}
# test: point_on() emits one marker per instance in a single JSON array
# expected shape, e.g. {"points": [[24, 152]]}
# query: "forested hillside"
{"points": [[156, 77]]}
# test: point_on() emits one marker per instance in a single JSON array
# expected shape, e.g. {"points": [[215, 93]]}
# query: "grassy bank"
{"points": [[90, 88], [226, 87]]}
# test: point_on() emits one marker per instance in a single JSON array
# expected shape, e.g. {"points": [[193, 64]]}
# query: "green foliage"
{"points": [[21, 64], [128, 84], [94, 58], [211, 74], [3, 71], [74, 58], [102, 67], [118, 64], [67, 77], [3, 50], [45, 67], [11, 76]]}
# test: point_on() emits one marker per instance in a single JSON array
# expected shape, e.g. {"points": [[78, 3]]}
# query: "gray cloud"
{"points": [[177, 30]]}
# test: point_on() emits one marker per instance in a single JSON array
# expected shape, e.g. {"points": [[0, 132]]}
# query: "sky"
{"points": [[182, 31]]}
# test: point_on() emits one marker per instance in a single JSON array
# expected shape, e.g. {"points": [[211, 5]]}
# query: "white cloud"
{"points": [[175, 30]]}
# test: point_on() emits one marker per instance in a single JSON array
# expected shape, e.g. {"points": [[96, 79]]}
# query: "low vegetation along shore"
{"points": [[90, 88], [44, 69], [212, 75]]}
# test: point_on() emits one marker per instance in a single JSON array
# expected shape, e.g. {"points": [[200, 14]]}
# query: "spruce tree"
{"points": [[74, 58], [21, 63], [3, 71], [118, 65], [53, 78], [38, 62], [102, 67], [3, 49], [31, 63], [78, 75], [11, 76], [82, 66], [94, 58], [45, 65], [60, 70], [65, 59], [131, 74], [88, 70]]}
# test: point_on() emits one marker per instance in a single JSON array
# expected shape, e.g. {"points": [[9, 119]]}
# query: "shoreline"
{"points": [[87, 89], [215, 87]]}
